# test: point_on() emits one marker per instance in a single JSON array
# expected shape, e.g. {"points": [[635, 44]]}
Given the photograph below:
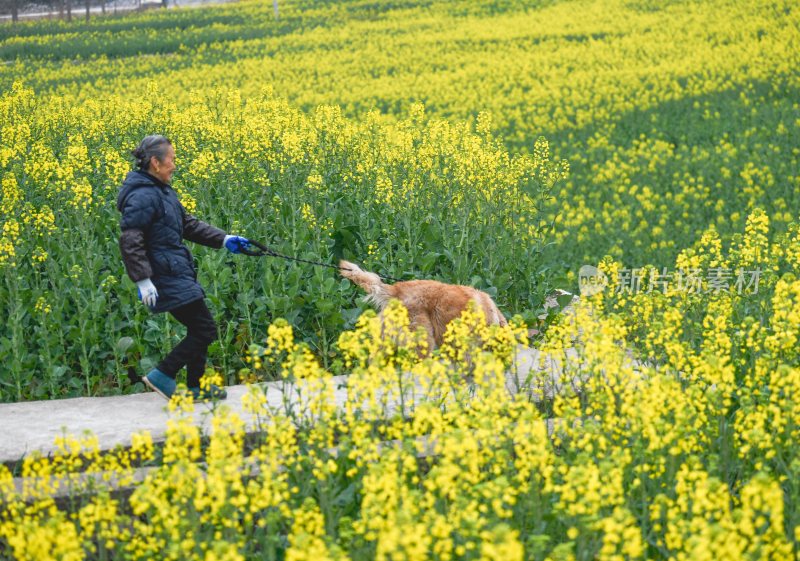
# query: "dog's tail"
{"points": [[497, 316], [377, 292], [493, 314]]}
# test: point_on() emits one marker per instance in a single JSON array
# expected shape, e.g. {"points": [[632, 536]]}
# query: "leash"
{"points": [[263, 251]]}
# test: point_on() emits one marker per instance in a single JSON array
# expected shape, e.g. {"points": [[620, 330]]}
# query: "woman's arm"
{"points": [[198, 231], [138, 213], [134, 254]]}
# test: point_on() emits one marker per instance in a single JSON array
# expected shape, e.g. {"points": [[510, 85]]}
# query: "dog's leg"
{"points": [[422, 321]]}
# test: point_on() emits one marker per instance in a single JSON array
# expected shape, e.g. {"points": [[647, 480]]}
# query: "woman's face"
{"points": [[163, 169]]}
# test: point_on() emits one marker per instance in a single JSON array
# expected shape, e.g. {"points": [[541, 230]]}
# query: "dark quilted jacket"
{"points": [[154, 225]]}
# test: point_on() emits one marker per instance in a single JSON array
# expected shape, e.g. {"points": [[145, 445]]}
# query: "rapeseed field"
{"points": [[503, 144]]}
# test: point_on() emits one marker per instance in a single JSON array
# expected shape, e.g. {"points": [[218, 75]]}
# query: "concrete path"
{"points": [[111, 9], [34, 426]]}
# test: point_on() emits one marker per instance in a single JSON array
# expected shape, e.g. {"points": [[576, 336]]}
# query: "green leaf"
{"points": [[428, 260], [124, 344], [346, 496]]}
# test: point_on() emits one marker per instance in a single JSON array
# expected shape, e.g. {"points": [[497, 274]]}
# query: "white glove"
{"points": [[147, 292]]}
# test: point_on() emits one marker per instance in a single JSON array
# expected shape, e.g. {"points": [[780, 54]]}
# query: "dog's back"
{"points": [[431, 304]]}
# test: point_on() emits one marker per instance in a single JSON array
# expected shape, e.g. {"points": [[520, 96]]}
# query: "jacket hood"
{"points": [[136, 179]]}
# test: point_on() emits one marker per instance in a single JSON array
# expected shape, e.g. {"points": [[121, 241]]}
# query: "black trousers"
{"points": [[193, 349]]}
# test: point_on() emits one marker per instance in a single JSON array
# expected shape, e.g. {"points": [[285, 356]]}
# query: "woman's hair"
{"points": [[153, 145]]}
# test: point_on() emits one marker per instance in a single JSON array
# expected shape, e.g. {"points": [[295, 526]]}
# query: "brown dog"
{"points": [[431, 304]]}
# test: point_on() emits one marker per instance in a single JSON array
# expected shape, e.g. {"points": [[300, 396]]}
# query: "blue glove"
{"points": [[235, 244]]}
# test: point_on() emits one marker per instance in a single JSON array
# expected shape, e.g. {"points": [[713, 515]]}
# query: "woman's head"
{"points": [[156, 156]]}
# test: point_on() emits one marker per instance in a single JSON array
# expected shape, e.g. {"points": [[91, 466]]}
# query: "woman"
{"points": [[154, 225]]}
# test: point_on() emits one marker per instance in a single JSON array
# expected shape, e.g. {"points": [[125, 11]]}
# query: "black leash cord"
{"points": [[265, 251]]}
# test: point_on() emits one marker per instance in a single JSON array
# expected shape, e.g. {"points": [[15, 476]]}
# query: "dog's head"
{"points": [[346, 268], [370, 282]]}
